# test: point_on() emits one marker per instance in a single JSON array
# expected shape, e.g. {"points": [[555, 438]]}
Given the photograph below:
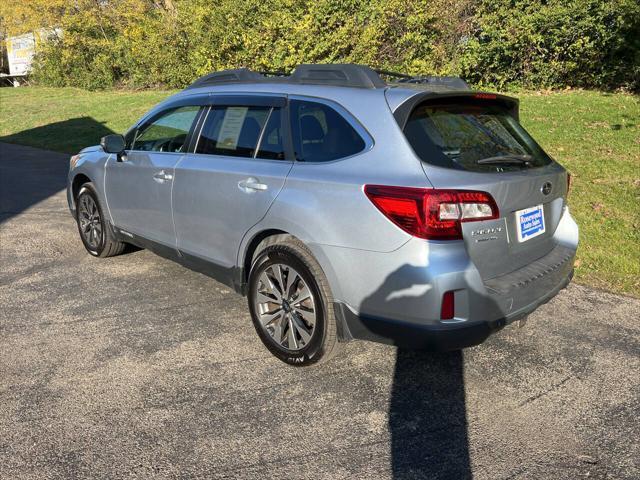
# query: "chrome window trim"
{"points": [[199, 135], [261, 136]]}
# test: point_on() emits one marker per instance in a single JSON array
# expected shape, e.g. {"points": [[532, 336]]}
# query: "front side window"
{"points": [[167, 133], [474, 136], [236, 131], [321, 134]]}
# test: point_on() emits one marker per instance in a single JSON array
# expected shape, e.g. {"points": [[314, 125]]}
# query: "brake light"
{"points": [[486, 96], [431, 213]]}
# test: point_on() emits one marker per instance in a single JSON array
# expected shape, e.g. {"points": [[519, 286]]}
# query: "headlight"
{"points": [[73, 161]]}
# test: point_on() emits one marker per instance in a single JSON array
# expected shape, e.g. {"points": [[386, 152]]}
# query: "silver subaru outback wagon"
{"points": [[416, 212]]}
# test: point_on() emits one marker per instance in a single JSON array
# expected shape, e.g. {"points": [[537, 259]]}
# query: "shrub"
{"points": [[496, 43], [555, 43]]}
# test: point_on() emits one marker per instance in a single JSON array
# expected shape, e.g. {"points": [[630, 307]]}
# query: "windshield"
{"points": [[472, 136]]}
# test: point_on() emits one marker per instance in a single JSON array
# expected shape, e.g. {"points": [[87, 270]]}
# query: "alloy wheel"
{"points": [[90, 222], [286, 306]]}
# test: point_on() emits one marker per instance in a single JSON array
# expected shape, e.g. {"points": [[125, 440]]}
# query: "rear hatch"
{"points": [[473, 141]]}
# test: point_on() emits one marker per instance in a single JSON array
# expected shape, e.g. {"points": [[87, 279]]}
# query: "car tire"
{"points": [[305, 333], [94, 229]]}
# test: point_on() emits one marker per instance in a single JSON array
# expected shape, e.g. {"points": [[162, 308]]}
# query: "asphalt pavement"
{"points": [[134, 367]]}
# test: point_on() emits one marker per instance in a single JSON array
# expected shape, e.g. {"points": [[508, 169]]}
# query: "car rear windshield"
{"points": [[476, 136]]}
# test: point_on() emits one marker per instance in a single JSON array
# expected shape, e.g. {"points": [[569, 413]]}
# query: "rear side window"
{"points": [[271, 142], [321, 134], [473, 136], [168, 132], [235, 131]]}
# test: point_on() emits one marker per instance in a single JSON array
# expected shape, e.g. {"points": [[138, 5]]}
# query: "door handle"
{"points": [[161, 176], [251, 184]]}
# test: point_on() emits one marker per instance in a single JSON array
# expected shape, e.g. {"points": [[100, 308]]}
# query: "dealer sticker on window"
{"points": [[530, 223]]}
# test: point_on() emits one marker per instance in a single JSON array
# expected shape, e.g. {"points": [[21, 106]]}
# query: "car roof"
{"points": [[355, 87], [335, 74], [339, 82], [331, 75]]}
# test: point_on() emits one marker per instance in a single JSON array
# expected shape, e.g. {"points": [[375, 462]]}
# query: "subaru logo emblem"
{"points": [[546, 188]]}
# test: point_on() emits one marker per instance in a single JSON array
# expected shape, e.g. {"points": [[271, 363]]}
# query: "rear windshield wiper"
{"points": [[506, 159]]}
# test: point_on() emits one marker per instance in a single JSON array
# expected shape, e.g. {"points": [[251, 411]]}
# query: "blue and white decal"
{"points": [[530, 223]]}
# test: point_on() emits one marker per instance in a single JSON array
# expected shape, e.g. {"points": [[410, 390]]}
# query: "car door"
{"points": [[138, 185], [238, 166]]}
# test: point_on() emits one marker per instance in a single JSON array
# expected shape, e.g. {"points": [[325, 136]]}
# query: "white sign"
{"points": [[231, 127], [20, 51]]}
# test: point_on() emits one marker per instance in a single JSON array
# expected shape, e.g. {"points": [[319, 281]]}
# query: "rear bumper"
{"points": [[395, 297], [441, 337]]}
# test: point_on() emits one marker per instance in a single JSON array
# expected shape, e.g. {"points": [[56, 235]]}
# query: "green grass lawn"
{"points": [[68, 119], [595, 135]]}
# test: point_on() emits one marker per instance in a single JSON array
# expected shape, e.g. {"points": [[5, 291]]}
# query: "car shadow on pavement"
{"points": [[30, 175], [427, 416], [427, 411]]}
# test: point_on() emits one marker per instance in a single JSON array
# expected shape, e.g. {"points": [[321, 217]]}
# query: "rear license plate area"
{"points": [[530, 223]]}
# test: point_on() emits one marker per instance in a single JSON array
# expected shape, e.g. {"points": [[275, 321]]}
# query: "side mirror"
{"points": [[112, 143]]}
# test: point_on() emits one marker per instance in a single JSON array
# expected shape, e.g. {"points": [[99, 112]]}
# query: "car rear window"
{"points": [[476, 136]]}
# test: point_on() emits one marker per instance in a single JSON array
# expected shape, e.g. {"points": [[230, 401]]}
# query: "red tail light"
{"points": [[486, 96], [430, 213]]}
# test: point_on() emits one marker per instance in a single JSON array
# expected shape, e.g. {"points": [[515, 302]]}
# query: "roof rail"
{"points": [[451, 82], [273, 73], [387, 73], [239, 75], [342, 74], [337, 74]]}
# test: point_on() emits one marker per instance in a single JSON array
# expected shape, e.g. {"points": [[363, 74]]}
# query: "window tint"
{"points": [[232, 131], [167, 133], [321, 134], [462, 136], [271, 143]]}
